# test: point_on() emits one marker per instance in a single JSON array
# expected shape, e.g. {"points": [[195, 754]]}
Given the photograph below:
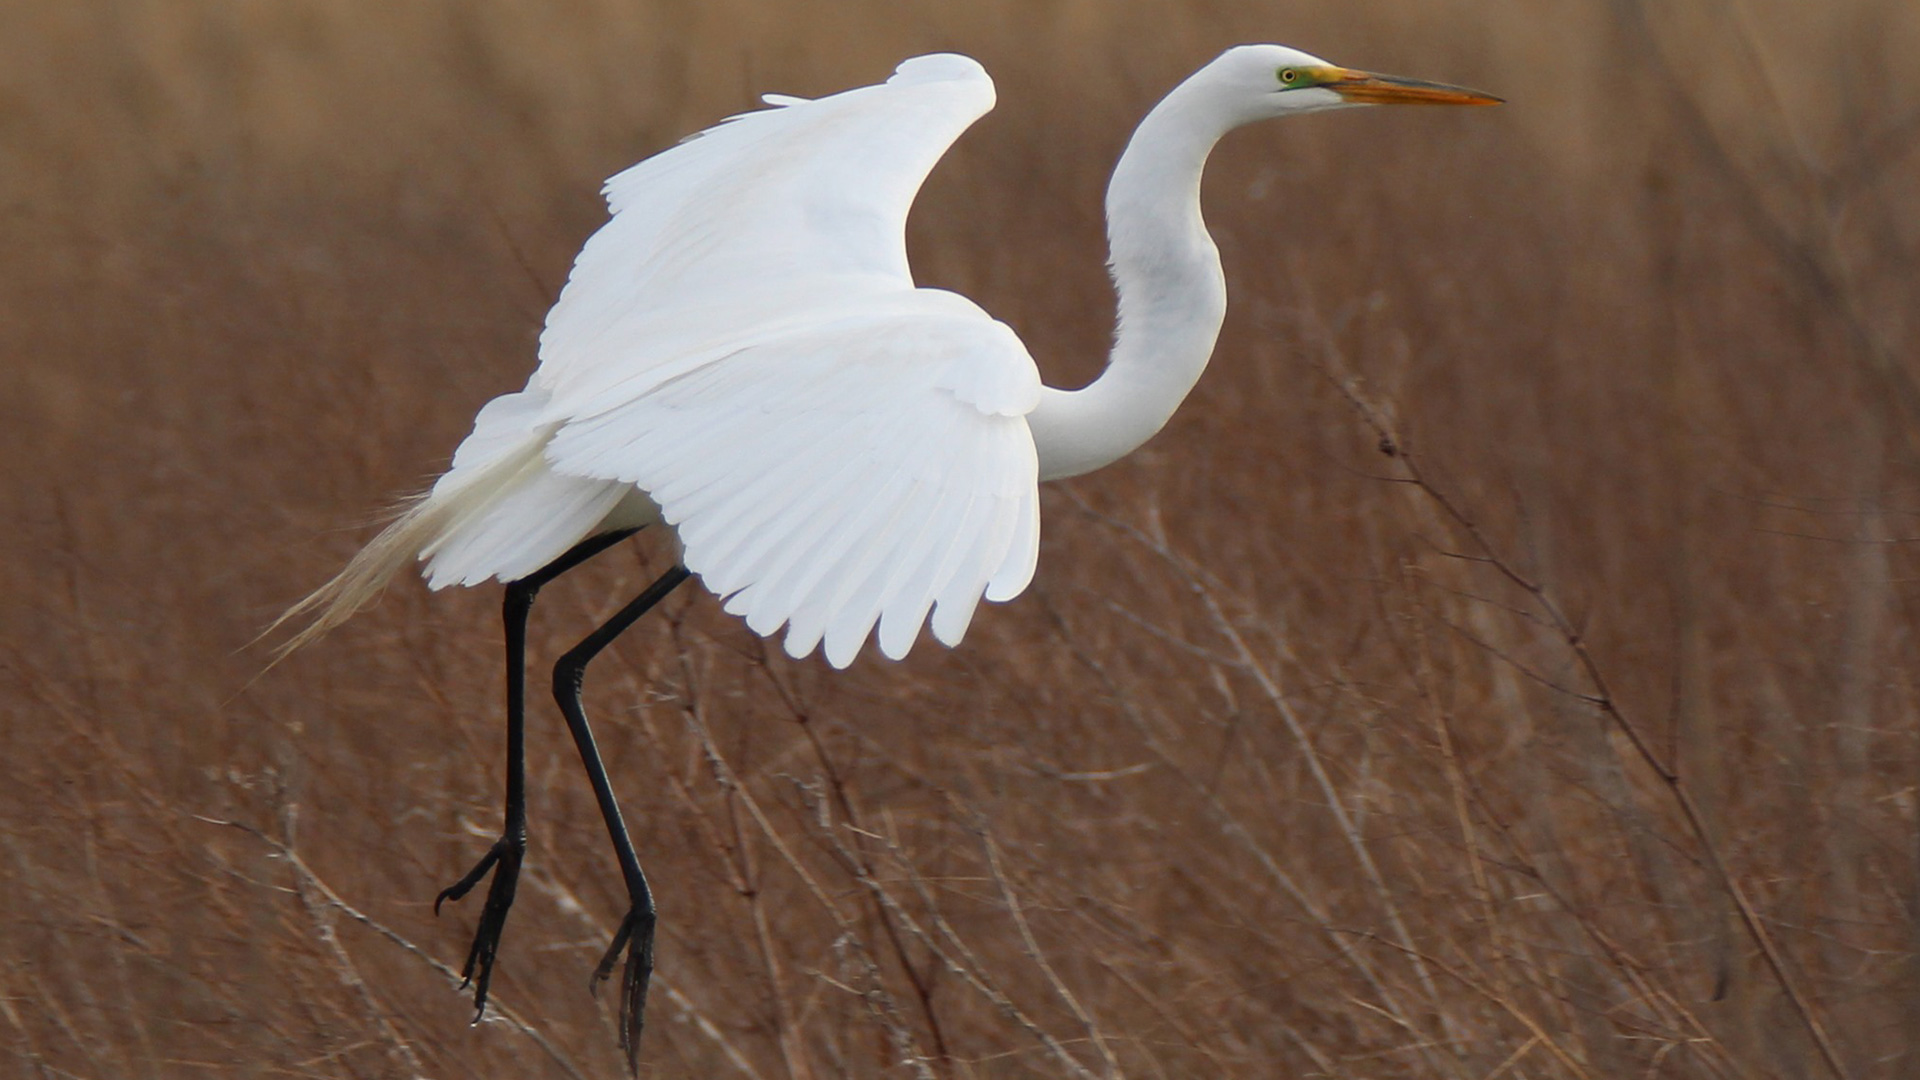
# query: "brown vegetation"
{"points": [[1503, 667]]}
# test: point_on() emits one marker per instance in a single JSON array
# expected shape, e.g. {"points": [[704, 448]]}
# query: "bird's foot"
{"points": [[635, 939], [503, 859]]}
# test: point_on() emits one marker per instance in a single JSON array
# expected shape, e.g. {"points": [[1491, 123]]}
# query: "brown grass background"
{"points": [[1575, 738]]}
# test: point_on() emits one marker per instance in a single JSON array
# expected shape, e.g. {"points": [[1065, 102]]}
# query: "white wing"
{"points": [[751, 223], [835, 448], [860, 471]]}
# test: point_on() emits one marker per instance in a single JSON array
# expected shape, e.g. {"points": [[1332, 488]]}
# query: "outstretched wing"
{"points": [[754, 222], [867, 470], [836, 449]]}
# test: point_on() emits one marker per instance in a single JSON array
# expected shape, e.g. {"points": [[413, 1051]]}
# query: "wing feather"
{"points": [[840, 480], [1023, 554], [786, 567], [825, 601], [753, 225]]}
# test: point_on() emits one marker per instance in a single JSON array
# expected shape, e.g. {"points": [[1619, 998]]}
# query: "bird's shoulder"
{"points": [[983, 361]]}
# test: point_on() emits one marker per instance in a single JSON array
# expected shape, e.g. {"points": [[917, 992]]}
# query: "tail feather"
{"points": [[424, 521]]}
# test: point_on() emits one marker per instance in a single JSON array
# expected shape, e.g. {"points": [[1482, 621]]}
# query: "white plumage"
{"points": [[742, 355]]}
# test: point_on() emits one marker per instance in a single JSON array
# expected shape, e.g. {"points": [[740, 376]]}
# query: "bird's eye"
{"points": [[1289, 76]]}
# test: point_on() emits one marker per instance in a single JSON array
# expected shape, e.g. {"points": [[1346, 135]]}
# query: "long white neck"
{"points": [[1172, 294]]}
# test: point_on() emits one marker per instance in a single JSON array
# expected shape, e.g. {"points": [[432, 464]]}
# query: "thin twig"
{"points": [[332, 899], [1034, 952]]}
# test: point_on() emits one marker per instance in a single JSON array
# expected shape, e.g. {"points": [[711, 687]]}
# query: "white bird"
{"points": [[741, 357]]}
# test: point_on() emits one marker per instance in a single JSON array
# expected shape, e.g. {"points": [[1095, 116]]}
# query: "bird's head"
{"points": [[1261, 81]]}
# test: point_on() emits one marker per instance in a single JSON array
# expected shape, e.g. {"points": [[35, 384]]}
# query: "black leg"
{"points": [[635, 936], [504, 858]]}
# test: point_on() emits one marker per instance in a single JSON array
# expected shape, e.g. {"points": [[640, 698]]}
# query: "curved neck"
{"points": [[1172, 294]]}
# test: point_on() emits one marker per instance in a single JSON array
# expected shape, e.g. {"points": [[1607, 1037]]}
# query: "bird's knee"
{"points": [[569, 675]]}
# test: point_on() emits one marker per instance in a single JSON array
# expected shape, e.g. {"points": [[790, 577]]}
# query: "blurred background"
{"points": [[1504, 665]]}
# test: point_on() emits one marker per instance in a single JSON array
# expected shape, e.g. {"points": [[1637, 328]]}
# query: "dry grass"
{"points": [[1574, 738]]}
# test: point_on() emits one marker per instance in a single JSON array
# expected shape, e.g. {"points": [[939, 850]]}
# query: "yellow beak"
{"points": [[1366, 88]]}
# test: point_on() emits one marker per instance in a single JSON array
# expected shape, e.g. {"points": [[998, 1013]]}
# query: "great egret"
{"points": [[741, 357]]}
